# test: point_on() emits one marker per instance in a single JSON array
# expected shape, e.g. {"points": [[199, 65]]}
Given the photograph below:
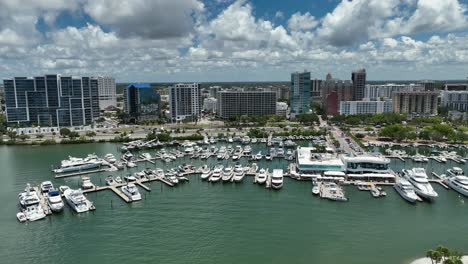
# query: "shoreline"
{"points": [[428, 260]]}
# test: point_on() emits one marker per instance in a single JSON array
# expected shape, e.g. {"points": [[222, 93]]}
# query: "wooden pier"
{"points": [[439, 180], [58, 176]]}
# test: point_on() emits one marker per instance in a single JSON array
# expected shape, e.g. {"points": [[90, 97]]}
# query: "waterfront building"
{"points": [[51, 100], [427, 84], [308, 161], [367, 168], [281, 109], [365, 107], [210, 104], [107, 92], [185, 101], [316, 90], [299, 93], [384, 91], [250, 103], [141, 102], [455, 100], [423, 103], [359, 83], [333, 92]]}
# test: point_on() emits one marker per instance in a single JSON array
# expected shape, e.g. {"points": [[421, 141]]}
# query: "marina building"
{"points": [[299, 93], [455, 100], [368, 168], [107, 92], [365, 107], [384, 91], [422, 103], [281, 109], [308, 161], [51, 100], [250, 103], [141, 102], [335, 91], [185, 101], [359, 83]]}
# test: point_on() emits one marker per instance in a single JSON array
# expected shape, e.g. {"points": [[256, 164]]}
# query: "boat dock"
{"points": [[43, 202], [439, 180], [79, 173]]}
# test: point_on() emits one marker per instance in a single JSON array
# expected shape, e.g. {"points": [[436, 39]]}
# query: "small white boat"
{"points": [[110, 180], [130, 178], [172, 178], [216, 175], [315, 190], [86, 183], [262, 176], [455, 171], [131, 191], [63, 188], [277, 179], [206, 173], [34, 212], [239, 173], [227, 174], [46, 186], [21, 217], [118, 180], [131, 164]]}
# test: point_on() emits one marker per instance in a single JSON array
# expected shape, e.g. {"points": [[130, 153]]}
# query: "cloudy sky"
{"points": [[228, 40]]}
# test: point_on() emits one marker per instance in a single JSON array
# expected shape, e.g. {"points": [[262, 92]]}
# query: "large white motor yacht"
{"points": [[277, 179], [216, 175], [262, 176], [79, 164], [76, 200], [459, 183], [28, 197], [406, 190], [418, 178], [227, 174], [54, 200], [238, 173], [131, 191]]}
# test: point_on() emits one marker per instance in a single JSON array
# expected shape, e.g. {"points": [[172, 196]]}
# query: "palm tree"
{"points": [[430, 255]]}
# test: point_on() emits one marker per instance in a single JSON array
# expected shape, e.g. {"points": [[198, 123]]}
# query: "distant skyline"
{"points": [[227, 40]]}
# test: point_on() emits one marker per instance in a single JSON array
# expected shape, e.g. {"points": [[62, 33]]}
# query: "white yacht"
{"points": [[159, 173], [46, 186], [258, 156], [34, 212], [76, 200], [315, 188], [227, 174], [277, 179], [86, 183], [239, 173], [418, 178], [247, 150], [118, 180], [216, 175], [129, 178], [455, 171], [459, 183], [110, 158], [110, 180], [131, 191], [206, 173], [79, 164], [406, 190], [54, 200], [262, 176], [172, 178], [28, 197]]}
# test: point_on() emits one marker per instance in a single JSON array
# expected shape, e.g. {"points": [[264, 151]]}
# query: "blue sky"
{"points": [[229, 40]]}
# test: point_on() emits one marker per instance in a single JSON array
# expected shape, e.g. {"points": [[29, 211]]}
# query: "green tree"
{"points": [[23, 137], [12, 135], [39, 136], [73, 134], [398, 132], [65, 132], [90, 134]]}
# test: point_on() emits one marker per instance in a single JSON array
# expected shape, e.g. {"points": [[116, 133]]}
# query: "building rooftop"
{"points": [[139, 85], [307, 159]]}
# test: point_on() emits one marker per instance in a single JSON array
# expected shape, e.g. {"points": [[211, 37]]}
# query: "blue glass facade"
{"points": [[142, 102], [299, 93], [51, 100]]}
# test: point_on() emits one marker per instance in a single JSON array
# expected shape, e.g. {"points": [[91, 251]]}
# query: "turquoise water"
{"points": [[200, 222]]}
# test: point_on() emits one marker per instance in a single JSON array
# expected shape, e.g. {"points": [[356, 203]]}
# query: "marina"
{"points": [[110, 201]]}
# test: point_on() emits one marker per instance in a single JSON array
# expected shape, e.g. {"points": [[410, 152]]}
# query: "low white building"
{"points": [[281, 109], [308, 161], [365, 107]]}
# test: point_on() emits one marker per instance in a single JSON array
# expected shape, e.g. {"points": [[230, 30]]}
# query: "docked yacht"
{"points": [[79, 164], [459, 183], [315, 188], [110, 180], [206, 173], [86, 183], [46, 187], [34, 212], [455, 171], [239, 173], [54, 200], [131, 191], [406, 190], [110, 158], [277, 179], [129, 178], [216, 175], [28, 197], [262, 176], [268, 157], [418, 178], [172, 178], [118, 180], [247, 150], [227, 174], [259, 155], [76, 200]]}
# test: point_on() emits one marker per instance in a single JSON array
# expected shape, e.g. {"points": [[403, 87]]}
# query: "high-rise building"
{"points": [[456, 87], [250, 103], [316, 90], [333, 92], [210, 104], [299, 93], [142, 102], [365, 107], [428, 85], [281, 109], [384, 91], [185, 101], [359, 83], [107, 92], [51, 100], [415, 103], [455, 100]]}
